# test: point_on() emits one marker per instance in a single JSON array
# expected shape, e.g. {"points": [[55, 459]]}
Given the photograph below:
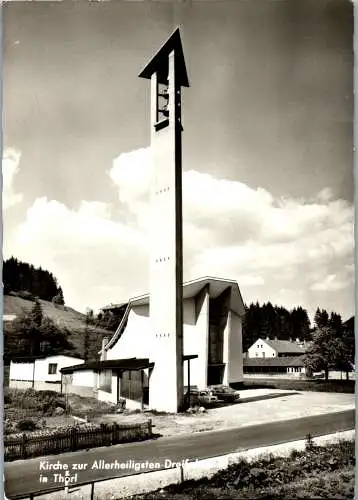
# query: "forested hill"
{"points": [[28, 289], [23, 278]]}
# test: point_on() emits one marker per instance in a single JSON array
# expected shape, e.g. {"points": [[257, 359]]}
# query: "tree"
{"points": [[58, 299], [300, 324], [348, 339], [86, 337], [54, 340], [36, 314], [320, 354], [22, 277], [335, 321], [321, 318], [329, 351], [34, 334]]}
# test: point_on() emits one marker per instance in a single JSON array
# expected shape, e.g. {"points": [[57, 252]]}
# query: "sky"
{"points": [[267, 145]]}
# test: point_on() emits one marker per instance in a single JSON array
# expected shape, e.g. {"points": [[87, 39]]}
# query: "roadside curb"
{"points": [[124, 487]]}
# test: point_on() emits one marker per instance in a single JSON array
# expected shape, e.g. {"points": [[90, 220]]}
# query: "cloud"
{"points": [[10, 167], [334, 282], [292, 252], [274, 247], [93, 257]]}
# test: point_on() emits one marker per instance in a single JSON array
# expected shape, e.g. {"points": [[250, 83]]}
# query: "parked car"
{"points": [[200, 398], [225, 393]]}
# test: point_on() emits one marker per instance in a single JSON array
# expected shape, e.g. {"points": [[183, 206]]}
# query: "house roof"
{"points": [[191, 289], [117, 364], [160, 59], [286, 347], [31, 359], [112, 364], [274, 362]]}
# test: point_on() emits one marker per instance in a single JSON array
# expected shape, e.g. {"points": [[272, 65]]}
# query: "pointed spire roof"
{"points": [[160, 60]]}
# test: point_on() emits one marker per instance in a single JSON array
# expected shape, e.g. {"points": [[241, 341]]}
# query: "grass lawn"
{"points": [[319, 472], [340, 386]]}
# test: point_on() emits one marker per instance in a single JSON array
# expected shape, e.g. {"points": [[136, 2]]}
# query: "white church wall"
{"points": [[135, 339], [196, 342], [235, 366]]}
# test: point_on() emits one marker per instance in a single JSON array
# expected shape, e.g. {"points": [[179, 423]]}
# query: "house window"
{"points": [[52, 368], [263, 354]]}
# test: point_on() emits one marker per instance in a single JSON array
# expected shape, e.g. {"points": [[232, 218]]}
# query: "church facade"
{"points": [[212, 324]]}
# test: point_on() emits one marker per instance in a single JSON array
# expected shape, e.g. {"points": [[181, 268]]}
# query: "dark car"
{"points": [[202, 398], [225, 393]]}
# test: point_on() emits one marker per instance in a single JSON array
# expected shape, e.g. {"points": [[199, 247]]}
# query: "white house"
{"points": [[212, 322], [40, 372], [276, 348], [275, 358]]}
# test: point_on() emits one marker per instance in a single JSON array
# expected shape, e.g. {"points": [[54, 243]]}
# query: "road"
{"points": [[22, 476]]}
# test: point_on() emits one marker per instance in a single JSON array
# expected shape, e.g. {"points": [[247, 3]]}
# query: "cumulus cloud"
{"points": [[94, 258], [292, 252], [273, 247], [10, 167]]}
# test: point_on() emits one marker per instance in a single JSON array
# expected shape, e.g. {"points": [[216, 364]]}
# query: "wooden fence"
{"points": [[27, 445]]}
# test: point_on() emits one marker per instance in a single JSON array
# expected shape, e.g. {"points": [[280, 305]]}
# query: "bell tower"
{"points": [[167, 74]]}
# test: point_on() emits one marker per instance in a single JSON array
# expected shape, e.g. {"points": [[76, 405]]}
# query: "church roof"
{"points": [[191, 289], [160, 59]]}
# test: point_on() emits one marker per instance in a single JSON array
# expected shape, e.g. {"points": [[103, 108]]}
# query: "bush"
{"points": [[271, 472], [26, 425], [310, 444], [41, 401], [9, 426], [7, 396]]}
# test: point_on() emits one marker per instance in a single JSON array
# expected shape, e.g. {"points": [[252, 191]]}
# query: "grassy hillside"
{"points": [[63, 316]]}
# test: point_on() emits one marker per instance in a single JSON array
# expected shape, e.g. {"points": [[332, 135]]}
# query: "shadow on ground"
{"points": [[221, 404]]}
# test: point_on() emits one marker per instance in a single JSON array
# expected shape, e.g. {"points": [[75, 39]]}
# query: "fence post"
{"points": [[73, 438], [92, 491], [150, 426], [115, 433], [23, 445], [105, 435]]}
